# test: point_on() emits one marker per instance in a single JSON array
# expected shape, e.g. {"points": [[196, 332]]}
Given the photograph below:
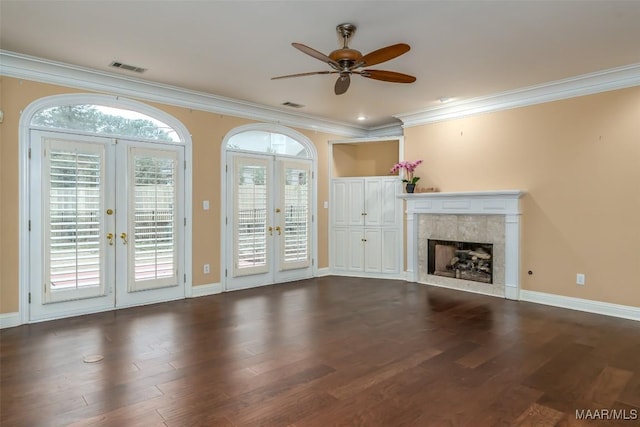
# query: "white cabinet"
{"points": [[366, 202], [366, 226]]}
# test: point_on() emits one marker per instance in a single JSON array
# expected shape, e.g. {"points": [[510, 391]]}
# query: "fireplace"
{"points": [[487, 220], [460, 260]]}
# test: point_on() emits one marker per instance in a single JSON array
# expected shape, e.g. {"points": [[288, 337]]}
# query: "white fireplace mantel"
{"points": [[501, 202]]}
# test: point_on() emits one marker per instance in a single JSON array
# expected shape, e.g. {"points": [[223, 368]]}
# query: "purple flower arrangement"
{"points": [[409, 167]]}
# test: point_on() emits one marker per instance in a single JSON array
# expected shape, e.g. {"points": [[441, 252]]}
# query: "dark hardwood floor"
{"points": [[323, 352]]}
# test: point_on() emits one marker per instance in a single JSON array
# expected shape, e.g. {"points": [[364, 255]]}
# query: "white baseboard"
{"points": [[204, 290], [323, 272], [9, 320], [388, 276], [590, 306], [407, 276]]}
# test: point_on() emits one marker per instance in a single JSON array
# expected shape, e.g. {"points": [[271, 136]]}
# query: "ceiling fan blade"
{"points": [[342, 84], [387, 76], [303, 74], [318, 55], [382, 55]]}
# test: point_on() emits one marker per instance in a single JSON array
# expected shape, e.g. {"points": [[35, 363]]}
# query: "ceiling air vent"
{"points": [[127, 67], [292, 104]]}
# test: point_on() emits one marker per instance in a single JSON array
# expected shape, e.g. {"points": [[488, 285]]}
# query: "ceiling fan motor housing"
{"points": [[345, 54]]}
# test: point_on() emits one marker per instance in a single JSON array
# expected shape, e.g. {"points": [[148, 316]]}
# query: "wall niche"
{"points": [[364, 158]]}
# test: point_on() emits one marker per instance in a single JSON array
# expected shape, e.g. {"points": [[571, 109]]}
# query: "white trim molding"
{"points": [[204, 290], [21, 66], [322, 272], [9, 320], [579, 304], [586, 84]]}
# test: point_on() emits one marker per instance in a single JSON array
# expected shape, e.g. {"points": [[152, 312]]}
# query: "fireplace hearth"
{"points": [[461, 260]]}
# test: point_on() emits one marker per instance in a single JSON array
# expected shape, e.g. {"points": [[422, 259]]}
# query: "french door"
{"points": [[268, 220], [106, 224]]}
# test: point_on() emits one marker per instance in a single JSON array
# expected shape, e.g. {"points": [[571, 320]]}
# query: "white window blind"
{"points": [[74, 210], [296, 214], [154, 217], [251, 221]]}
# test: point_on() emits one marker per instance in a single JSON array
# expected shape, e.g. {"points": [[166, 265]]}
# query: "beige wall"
{"points": [[579, 161], [207, 130]]}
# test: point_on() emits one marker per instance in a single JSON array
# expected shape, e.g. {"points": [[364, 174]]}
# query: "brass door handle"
{"points": [[110, 238], [123, 236], [270, 231], [279, 230]]}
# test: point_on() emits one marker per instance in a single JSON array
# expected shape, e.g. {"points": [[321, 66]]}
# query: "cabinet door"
{"points": [[390, 251], [373, 201], [355, 250], [355, 201], [372, 250], [340, 252], [391, 206], [340, 203]]}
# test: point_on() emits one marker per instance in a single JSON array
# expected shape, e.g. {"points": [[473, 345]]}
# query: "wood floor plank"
{"points": [[323, 352], [608, 386], [539, 416]]}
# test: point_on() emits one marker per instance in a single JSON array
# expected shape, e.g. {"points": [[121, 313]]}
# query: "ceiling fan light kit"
{"points": [[346, 61]]}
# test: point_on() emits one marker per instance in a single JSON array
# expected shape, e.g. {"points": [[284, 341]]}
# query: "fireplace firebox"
{"points": [[461, 260]]}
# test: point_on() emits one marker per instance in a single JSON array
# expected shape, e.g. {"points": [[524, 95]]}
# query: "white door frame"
{"points": [[225, 251], [24, 216]]}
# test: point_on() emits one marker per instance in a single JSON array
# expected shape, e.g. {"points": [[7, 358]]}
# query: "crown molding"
{"points": [[21, 66], [41, 70], [586, 84], [391, 130]]}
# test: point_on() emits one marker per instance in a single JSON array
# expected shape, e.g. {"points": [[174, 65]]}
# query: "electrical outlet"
{"points": [[207, 269], [579, 279]]}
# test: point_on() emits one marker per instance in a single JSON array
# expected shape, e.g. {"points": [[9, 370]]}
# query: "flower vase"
{"points": [[410, 188]]}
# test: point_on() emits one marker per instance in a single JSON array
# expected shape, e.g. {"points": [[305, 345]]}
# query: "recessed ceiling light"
{"points": [[361, 118]]}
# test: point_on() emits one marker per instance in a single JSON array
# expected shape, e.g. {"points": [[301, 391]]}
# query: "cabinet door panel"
{"points": [[389, 251], [372, 250], [340, 203], [390, 211], [340, 253], [355, 250], [373, 201], [355, 201]]}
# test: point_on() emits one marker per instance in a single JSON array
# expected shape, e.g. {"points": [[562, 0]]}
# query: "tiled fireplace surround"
{"points": [[484, 217]]}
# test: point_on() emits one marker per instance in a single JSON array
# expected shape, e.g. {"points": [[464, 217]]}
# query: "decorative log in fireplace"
{"points": [[461, 260]]}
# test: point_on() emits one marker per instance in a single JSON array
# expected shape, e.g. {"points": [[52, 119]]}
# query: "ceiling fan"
{"points": [[346, 61]]}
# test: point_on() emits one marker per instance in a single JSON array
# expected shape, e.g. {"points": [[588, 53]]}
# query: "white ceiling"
{"points": [[459, 49]]}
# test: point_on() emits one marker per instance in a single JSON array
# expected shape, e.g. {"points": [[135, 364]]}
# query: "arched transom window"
{"points": [[268, 142], [104, 120]]}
